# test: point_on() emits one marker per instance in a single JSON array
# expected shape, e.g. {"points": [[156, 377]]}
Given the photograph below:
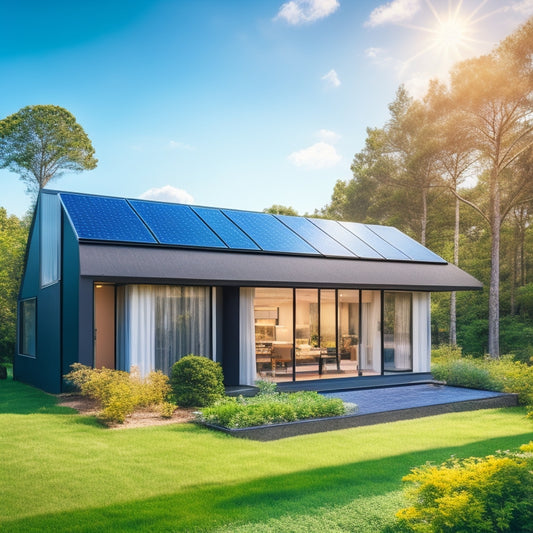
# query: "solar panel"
{"points": [[388, 251], [269, 233], [315, 236], [176, 224], [233, 236], [105, 219], [408, 246], [346, 238]]}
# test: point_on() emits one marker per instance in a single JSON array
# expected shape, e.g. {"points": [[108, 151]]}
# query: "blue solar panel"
{"points": [[346, 238], [176, 224], [269, 233], [372, 239], [408, 246], [225, 229], [105, 219], [315, 236]]}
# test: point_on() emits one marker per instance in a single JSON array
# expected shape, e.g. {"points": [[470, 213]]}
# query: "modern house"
{"points": [[115, 282]]}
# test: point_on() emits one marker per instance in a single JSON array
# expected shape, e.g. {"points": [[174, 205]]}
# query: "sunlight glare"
{"points": [[451, 33]]}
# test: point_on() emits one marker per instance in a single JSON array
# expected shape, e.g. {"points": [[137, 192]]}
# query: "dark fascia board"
{"points": [[140, 264]]}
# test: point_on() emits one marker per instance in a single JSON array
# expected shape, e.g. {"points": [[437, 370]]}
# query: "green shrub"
{"points": [[466, 372], [120, 393], [488, 494], [504, 374], [446, 352], [197, 381], [271, 408], [266, 387], [166, 409]]}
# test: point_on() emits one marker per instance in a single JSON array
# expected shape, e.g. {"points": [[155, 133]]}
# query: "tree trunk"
{"points": [[494, 290], [424, 220], [453, 299]]}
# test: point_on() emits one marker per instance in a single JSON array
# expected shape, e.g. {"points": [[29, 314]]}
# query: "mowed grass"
{"points": [[63, 472]]}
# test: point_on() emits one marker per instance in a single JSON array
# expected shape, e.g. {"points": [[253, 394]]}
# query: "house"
{"points": [[114, 282]]}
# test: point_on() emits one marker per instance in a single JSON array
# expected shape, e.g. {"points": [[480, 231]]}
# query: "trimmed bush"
{"points": [[271, 408], [197, 381], [489, 494]]}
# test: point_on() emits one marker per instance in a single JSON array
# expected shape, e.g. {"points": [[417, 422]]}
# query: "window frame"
{"points": [[23, 328]]}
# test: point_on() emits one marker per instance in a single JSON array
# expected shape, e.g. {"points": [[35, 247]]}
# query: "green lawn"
{"points": [[63, 472]]}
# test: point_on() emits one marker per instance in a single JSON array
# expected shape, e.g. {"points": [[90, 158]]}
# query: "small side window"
{"points": [[28, 327]]}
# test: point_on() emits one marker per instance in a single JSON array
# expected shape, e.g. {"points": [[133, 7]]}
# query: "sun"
{"points": [[451, 35]]}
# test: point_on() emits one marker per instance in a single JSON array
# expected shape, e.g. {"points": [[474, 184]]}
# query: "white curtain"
{"points": [[371, 331], [421, 332], [402, 331], [159, 324], [136, 328], [247, 336]]}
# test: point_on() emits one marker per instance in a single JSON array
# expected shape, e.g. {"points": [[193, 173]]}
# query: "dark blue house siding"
{"points": [[44, 369], [70, 266]]}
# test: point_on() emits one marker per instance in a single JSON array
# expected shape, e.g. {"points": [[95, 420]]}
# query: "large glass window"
{"points": [[370, 347], [50, 238], [28, 327], [397, 337], [159, 324], [273, 317], [348, 319], [314, 333], [307, 342]]}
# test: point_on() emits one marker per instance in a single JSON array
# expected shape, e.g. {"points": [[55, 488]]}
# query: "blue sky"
{"points": [[230, 103]]}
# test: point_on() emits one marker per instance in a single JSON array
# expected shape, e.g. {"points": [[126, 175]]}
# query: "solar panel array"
{"points": [[141, 221]]}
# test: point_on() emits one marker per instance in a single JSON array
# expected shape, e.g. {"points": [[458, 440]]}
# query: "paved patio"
{"points": [[387, 399], [383, 404]]}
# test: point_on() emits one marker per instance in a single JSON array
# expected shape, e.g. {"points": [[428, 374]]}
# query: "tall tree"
{"points": [[41, 142], [456, 156], [494, 94]]}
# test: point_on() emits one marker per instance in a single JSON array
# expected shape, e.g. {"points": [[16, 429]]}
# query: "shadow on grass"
{"points": [[301, 494], [19, 399]]}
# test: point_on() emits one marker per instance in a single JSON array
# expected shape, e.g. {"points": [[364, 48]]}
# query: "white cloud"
{"points": [[524, 7], [319, 155], [168, 193], [302, 11], [331, 78], [178, 145], [393, 12], [373, 53], [328, 136]]}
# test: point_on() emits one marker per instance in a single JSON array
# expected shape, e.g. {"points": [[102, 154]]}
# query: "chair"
{"points": [[282, 355], [325, 356]]}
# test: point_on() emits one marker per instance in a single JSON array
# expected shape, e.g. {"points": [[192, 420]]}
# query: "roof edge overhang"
{"points": [[135, 264]]}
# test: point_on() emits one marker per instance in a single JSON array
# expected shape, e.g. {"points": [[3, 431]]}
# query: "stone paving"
{"points": [[409, 396]]}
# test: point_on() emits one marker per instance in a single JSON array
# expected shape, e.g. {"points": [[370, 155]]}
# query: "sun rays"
{"points": [[450, 34]]}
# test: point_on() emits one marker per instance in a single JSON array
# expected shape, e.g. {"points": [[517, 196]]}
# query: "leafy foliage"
{"points": [[197, 381], [489, 494], [505, 374], [120, 393], [13, 235], [271, 408], [41, 142]]}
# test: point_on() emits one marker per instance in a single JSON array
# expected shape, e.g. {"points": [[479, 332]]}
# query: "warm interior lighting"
{"points": [[99, 286]]}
